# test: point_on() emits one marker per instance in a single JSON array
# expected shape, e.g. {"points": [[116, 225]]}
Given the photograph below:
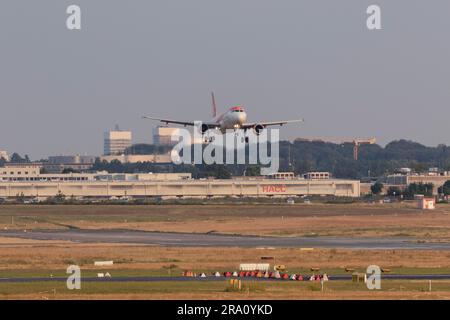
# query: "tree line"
{"points": [[301, 157], [411, 190]]}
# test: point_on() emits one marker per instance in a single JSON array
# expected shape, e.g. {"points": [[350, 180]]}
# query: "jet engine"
{"points": [[204, 128], [258, 128]]}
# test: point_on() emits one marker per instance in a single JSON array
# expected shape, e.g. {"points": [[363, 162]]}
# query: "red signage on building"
{"points": [[274, 188]]}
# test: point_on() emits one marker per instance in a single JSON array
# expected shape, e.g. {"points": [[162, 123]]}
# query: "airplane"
{"points": [[233, 119]]}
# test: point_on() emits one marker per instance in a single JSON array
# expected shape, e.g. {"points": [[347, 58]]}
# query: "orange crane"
{"points": [[355, 141]]}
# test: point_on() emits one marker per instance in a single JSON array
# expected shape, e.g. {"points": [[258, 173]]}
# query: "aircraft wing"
{"points": [[184, 123], [271, 123]]}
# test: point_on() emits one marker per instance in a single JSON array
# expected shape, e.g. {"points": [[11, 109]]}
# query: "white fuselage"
{"points": [[232, 119]]}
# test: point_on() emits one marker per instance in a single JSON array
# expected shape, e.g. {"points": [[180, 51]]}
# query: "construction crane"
{"points": [[355, 141]]}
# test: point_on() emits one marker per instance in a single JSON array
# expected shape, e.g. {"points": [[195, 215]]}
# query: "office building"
{"points": [[162, 136], [115, 142]]}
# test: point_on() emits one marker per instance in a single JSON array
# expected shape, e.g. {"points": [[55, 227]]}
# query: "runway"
{"points": [[220, 240]]}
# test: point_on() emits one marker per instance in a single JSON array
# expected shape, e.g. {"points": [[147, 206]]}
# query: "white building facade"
{"points": [[115, 142]]}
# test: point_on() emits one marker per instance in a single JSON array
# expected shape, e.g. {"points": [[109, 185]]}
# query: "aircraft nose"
{"points": [[242, 117]]}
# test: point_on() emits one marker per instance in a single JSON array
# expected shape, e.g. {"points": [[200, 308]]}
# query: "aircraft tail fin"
{"points": [[214, 108]]}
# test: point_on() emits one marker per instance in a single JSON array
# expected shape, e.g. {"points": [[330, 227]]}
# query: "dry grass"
{"points": [[361, 220], [432, 225], [43, 255], [30, 257], [215, 291]]}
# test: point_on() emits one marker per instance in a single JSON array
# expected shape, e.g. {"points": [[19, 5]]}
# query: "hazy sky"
{"points": [[281, 59]]}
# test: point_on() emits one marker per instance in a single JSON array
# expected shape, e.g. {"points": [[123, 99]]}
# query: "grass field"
{"points": [[218, 290], [30, 258], [43, 259], [362, 220]]}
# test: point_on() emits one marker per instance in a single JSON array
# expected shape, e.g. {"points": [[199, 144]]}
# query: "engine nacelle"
{"points": [[258, 128], [204, 128]]}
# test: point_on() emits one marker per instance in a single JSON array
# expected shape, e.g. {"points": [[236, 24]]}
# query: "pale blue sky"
{"points": [[60, 89]]}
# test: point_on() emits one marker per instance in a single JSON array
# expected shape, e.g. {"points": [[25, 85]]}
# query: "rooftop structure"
{"points": [[317, 175], [282, 175], [20, 169]]}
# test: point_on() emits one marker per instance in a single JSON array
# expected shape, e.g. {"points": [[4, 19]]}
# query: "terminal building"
{"points": [[27, 181], [402, 180]]}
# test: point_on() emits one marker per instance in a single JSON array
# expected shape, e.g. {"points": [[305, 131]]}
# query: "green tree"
{"points": [[377, 187], [60, 197], [419, 188], [394, 191], [252, 171], [222, 173], [304, 156], [445, 189], [20, 197]]}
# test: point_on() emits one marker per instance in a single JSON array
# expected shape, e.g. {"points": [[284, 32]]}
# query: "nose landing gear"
{"points": [[207, 139], [244, 138]]}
